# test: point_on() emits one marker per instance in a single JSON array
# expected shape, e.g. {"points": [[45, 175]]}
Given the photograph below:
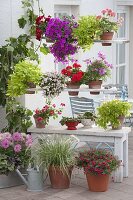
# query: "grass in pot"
{"points": [[98, 166], [56, 155], [112, 113]]}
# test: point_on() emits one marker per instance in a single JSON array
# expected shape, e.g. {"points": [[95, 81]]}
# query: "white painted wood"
{"points": [[125, 158]]}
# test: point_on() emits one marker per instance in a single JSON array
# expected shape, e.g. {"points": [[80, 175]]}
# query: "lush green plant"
{"points": [[68, 119], [87, 115], [86, 31], [14, 151], [97, 162], [110, 111], [24, 73], [97, 69], [55, 150], [18, 117]]}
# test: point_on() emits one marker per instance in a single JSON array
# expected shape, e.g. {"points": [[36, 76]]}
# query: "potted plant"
{"points": [[52, 84], [73, 75], [87, 119], [25, 73], [112, 113], [43, 115], [98, 166], [56, 155], [97, 70], [70, 122], [108, 25], [86, 31]]}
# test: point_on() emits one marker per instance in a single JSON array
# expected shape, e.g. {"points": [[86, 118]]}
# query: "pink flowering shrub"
{"points": [[14, 151]]}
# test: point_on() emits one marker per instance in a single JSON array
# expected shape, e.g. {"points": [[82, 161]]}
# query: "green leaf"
{"points": [[44, 50], [22, 22]]}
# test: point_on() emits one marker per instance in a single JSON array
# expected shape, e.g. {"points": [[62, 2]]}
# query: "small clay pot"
{"points": [[31, 85], [71, 85], [107, 36], [95, 85], [97, 183], [121, 119], [59, 179], [39, 124]]}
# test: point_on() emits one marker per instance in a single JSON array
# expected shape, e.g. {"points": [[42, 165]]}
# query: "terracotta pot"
{"points": [[31, 85], [49, 40], [59, 179], [121, 119], [38, 123], [73, 86], [95, 85], [71, 125], [97, 183], [106, 36]]}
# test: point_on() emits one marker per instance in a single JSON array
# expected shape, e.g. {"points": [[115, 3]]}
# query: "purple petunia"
{"points": [[102, 71], [101, 55]]}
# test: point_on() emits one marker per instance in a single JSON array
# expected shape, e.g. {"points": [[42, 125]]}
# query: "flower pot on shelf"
{"points": [[39, 124], [87, 123], [59, 179], [95, 85], [97, 183], [31, 85], [71, 125], [71, 85], [106, 36], [121, 120]]}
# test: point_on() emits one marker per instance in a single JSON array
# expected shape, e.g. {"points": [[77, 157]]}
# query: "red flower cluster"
{"points": [[73, 72], [43, 115], [98, 162], [41, 24]]}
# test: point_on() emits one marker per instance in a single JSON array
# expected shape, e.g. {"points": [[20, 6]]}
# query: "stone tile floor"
{"points": [[78, 189]]}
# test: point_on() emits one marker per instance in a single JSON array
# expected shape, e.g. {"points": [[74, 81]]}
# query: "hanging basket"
{"points": [[95, 85], [71, 85], [107, 36]]}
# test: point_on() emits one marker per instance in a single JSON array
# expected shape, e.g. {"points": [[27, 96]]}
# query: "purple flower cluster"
{"points": [[60, 31]]}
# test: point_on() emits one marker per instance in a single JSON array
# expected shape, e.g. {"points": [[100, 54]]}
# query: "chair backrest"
{"points": [[80, 105]]}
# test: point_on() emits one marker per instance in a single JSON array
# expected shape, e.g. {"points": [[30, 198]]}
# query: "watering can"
{"points": [[34, 181]]}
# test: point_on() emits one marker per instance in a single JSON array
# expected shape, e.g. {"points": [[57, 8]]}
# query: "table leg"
{"points": [[125, 157], [118, 151]]}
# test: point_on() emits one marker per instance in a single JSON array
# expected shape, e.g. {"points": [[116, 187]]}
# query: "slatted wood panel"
{"points": [[79, 105]]}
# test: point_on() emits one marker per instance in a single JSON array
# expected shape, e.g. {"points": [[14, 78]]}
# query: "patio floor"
{"points": [[78, 189]]}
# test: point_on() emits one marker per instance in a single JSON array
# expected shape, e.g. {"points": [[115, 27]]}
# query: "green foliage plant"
{"points": [[24, 72], [86, 31], [55, 151], [18, 117], [87, 115], [110, 111], [69, 119]]}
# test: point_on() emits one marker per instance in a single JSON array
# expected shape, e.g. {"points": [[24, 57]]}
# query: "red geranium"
{"points": [[74, 73]]}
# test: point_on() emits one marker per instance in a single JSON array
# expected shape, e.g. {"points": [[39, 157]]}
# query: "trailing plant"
{"points": [[86, 31], [18, 117], [56, 151], [97, 162], [68, 119], [24, 73], [110, 111]]}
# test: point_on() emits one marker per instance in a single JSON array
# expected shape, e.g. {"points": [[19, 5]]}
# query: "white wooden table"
{"points": [[119, 138]]}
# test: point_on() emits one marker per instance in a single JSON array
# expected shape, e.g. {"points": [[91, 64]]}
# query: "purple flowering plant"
{"points": [[15, 151], [60, 32], [97, 69]]}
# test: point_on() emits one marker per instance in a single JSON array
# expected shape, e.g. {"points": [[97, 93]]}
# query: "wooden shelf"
{"points": [[112, 41]]}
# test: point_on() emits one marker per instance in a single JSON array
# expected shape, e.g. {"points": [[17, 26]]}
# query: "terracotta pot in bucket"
{"points": [[71, 125], [97, 183], [59, 179], [121, 119], [39, 124], [71, 85], [95, 85], [106, 36]]}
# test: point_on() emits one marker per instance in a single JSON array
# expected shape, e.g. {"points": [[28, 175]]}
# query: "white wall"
{"points": [[10, 11]]}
